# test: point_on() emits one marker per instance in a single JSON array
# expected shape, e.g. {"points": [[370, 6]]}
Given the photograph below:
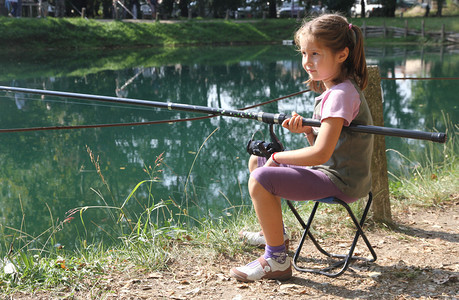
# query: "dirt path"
{"points": [[418, 260]]}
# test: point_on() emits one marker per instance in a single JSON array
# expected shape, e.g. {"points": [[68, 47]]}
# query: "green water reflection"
{"points": [[44, 174]]}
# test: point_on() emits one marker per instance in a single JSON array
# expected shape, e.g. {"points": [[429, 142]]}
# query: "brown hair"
{"points": [[335, 33]]}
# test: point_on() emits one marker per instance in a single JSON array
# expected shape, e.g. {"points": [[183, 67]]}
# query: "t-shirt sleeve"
{"points": [[341, 103]]}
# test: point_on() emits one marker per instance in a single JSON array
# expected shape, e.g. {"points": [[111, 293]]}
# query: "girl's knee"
{"points": [[252, 182], [255, 186]]}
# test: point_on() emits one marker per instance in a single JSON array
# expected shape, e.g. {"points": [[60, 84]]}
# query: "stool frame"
{"points": [[343, 260]]}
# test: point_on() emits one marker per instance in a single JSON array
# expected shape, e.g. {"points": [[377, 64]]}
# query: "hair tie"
{"points": [[350, 25]]}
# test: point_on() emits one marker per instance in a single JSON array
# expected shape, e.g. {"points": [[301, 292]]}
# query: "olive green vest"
{"points": [[349, 167]]}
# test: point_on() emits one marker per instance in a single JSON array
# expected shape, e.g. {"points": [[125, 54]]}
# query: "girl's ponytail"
{"points": [[357, 65]]}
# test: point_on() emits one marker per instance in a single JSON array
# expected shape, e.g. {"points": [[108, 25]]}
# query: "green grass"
{"points": [[76, 33], [151, 240], [81, 34], [434, 177]]}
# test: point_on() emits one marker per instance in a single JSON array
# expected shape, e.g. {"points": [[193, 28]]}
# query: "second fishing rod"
{"points": [[270, 118]]}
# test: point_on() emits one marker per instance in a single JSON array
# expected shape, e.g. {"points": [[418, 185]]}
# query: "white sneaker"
{"points": [[264, 269], [258, 239]]}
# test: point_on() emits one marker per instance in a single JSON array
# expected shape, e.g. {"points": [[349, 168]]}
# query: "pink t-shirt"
{"points": [[340, 101]]}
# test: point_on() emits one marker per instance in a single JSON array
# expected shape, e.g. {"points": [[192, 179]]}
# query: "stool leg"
{"points": [[306, 228], [360, 232], [345, 259], [349, 257], [303, 238]]}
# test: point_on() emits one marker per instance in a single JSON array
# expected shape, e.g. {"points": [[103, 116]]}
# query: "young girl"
{"points": [[337, 162]]}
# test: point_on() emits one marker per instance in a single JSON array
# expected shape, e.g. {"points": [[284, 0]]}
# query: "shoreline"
{"points": [[80, 34]]}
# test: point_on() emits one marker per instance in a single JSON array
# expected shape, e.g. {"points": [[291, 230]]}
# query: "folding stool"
{"points": [[342, 261]]}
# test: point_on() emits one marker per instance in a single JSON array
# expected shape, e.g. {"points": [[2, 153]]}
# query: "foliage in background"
{"points": [[52, 33], [342, 6]]}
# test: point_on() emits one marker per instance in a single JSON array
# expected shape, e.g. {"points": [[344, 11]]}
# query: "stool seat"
{"points": [[328, 200], [341, 261]]}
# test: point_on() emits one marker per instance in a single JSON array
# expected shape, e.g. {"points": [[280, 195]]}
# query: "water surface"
{"points": [[44, 174]]}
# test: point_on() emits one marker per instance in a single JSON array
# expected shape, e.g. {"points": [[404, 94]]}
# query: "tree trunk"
{"points": [[363, 8], [389, 7], [272, 10], [381, 210], [439, 7]]}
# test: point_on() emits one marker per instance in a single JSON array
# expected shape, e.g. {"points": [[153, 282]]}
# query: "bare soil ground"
{"points": [[419, 259]]}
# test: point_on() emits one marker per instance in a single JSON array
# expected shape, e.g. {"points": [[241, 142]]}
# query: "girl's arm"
{"points": [[321, 149]]}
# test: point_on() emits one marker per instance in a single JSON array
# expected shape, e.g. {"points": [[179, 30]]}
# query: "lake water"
{"points": [[44, 174]]}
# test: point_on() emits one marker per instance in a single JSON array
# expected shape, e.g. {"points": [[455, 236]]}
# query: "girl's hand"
{"points": [[295, 124]]}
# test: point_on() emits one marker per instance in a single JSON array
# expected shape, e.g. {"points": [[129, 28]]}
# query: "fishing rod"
{"points": [[269, 118]]}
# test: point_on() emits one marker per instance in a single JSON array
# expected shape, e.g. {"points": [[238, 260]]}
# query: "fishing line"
{"points": [[420, 78], [269, 118], [124, 106], [170, 121], [102, 125]]}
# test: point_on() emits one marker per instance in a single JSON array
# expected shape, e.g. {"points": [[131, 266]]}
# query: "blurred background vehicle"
{"points": [[372, 8], [145, 9], [251, 9], [290, 9], [406, 3], [293, 9]]}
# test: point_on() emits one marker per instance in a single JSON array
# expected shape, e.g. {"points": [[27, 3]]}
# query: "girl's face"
{"points": [[320, 62]]}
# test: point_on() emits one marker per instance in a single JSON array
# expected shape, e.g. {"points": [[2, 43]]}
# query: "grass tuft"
{"points": [[433, 177]]}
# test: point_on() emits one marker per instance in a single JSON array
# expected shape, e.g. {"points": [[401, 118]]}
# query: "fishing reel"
{"points": [[265, 149]]}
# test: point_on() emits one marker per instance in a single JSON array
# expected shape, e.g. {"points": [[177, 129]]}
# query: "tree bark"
{"points": [[381, 210]]}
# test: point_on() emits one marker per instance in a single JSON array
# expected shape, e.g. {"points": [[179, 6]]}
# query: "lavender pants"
{"points": [[297, 183]]}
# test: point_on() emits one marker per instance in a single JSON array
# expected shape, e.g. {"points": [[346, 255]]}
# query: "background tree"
{"points": [[389, 8], [200, 8], [272, 9], [220, 7], [440, 7], [166, 8], [183, 6], [107, 8], [342, 6], [92, 8]]}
